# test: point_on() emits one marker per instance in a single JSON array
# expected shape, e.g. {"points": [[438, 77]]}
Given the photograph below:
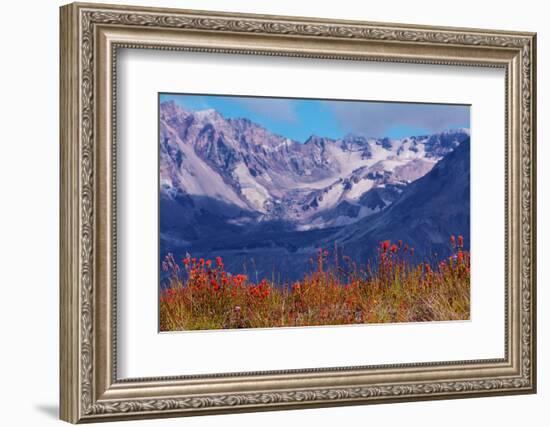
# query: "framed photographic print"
{"points": [[266, 212]]}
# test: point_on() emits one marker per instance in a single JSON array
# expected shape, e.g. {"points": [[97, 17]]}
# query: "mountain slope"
{"points": [[427, 213]]}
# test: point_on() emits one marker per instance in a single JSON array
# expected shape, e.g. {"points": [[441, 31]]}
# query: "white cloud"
{"points": [[274, 108], [377, 118]]}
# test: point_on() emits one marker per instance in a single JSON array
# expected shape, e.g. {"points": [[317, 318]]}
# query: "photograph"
{"points": [[295, 212]]}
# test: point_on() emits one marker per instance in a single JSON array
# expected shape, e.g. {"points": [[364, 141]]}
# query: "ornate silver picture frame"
{"points": [[91, 37]]}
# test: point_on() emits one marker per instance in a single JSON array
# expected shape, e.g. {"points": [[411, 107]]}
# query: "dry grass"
{"points": [[202, 295]]}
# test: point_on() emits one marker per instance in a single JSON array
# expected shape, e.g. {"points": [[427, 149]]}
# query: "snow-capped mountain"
{"points": [[317, 184], [263, 202]]}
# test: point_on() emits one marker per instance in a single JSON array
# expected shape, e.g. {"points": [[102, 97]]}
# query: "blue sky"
{"points": [[298, 119]]}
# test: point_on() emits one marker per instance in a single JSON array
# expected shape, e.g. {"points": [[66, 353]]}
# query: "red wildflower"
{"points": [[453, 241], [460, 241], [460, 256], [394, 248], [208, 263], [385, 245], [186, 261], [239, 279]]}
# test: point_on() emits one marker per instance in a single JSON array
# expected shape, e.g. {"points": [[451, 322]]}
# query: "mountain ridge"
{"points": [[283, 179]]}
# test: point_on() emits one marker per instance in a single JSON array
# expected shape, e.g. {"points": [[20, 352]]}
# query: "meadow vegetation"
{"points": [[201, 294]]}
